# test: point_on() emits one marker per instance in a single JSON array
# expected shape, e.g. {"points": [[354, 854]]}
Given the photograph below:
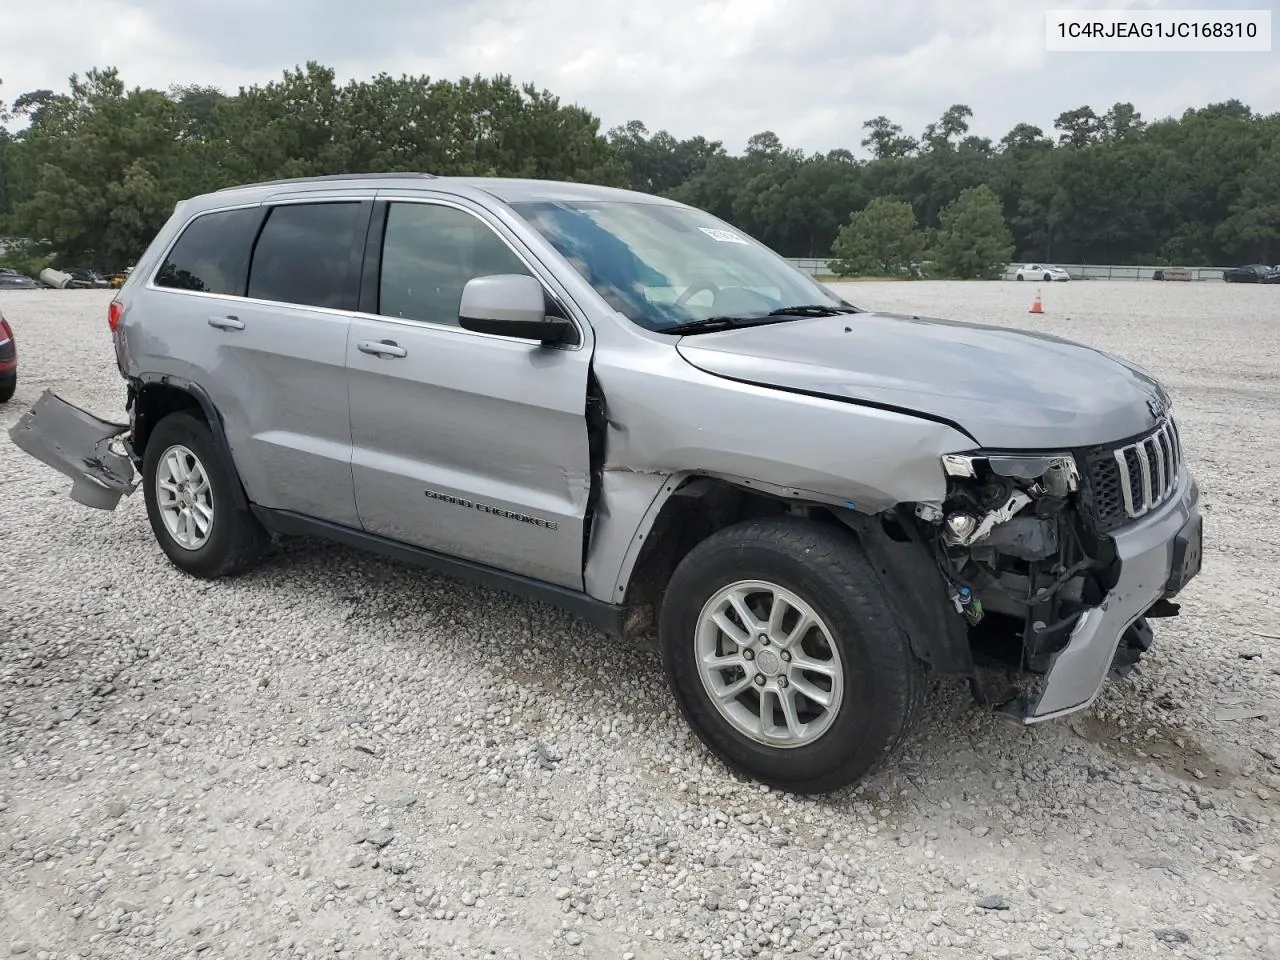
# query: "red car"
{"points": [[8, 360]]}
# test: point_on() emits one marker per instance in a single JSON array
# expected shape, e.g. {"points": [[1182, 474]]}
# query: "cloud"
{"points": [[811, 72]]}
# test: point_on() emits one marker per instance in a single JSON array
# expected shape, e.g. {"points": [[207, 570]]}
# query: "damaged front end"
{"points": [[93, 452], [1042, 589]]}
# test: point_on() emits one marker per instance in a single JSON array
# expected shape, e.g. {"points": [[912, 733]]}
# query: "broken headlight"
{"points": [[1058, 471], [989, 489]]}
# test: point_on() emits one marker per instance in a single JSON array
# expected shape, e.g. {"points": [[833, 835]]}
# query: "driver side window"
{"points": [[429, 252]]}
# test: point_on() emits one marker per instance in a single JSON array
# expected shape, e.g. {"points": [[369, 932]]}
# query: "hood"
{"points": [[1008, 389]]}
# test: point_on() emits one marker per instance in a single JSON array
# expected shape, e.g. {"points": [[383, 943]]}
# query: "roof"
{"points": [[507, 189]]}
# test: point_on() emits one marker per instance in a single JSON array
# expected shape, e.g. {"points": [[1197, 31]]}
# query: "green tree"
{"points": [[1078, 127], [952, 125], [885, 139], [973, 239], [97, 167], [8, 156], [660, 163], [882, 239], [107, 167], [1253, 229]]}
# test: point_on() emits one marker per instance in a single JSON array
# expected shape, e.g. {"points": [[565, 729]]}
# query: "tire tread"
{"points": [[244, 537], [833, 557]]}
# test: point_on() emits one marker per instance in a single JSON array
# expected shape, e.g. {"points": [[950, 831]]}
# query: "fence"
{"points": [[813, 266], [1085, 271], [817, 266]]}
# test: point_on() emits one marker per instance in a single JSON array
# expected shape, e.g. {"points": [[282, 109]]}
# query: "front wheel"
{"points": [[784, 656], [1048, 277], [8, 386]]}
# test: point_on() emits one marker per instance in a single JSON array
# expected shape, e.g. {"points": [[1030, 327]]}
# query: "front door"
{"points": [[469, 444]]}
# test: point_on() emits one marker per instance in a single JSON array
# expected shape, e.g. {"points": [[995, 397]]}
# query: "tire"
{"points": [[1019, 277], [233, 539], [8, 385], [881, 682], [1048, 278]]}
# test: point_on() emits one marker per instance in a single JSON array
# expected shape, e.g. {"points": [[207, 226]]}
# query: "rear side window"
{"points": [[212, 255], [303, 256]]}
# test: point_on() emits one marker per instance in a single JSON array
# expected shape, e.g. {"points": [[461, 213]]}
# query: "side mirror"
{"points": [[511, 305]]}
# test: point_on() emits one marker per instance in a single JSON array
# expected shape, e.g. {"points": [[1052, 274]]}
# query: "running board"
{"points": [[606, 617]]}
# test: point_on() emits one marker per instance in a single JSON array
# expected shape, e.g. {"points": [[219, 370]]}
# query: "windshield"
{"points": [[662, 266]]}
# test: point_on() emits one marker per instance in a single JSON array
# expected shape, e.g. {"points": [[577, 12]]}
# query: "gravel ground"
{"points": [[336, 756]]}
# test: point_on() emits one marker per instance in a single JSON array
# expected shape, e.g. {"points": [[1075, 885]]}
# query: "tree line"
{"points": [[95, 170]]}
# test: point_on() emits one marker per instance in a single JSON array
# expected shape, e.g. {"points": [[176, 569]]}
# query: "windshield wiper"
{"points": [[811, 310], [710, 324], [782, 314]]}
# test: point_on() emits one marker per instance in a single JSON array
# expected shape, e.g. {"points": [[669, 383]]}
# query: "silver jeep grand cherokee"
{"points": [[623, 405]]}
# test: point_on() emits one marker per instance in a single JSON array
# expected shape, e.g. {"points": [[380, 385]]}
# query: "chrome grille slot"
{"points": [[1129, 481], [1148, 470]]}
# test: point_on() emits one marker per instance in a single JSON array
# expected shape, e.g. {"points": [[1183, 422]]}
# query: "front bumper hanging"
{"points": [[1157, 558]]}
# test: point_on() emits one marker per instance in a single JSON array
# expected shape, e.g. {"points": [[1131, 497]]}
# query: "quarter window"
{"points": [[429, 252], [212, 255], [303, 256]]}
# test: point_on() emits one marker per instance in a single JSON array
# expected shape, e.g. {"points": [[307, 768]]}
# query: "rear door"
{"points": [[267, 331], [470, 444]]}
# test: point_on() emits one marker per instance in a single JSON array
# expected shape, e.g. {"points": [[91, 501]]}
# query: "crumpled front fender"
{"points": [[82, 446]]}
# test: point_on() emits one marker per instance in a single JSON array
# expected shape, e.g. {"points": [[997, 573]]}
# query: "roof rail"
{"points": [[330, 176]]}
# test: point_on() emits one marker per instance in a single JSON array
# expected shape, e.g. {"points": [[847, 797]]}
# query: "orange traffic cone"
{"points": [[1035, 307]]}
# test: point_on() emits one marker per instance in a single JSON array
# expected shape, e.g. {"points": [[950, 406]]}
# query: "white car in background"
{"points": [[1045, 272]]}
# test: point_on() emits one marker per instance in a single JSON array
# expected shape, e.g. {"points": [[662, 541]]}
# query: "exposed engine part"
{"points": [[961, 526], [960, 532], [1026, 538], [966, 603], [1019, 560]]}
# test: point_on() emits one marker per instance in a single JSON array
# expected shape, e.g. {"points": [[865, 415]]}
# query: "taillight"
{"points": [[113, 314]]}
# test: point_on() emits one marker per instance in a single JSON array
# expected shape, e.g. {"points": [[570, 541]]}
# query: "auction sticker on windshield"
{"points": [[724, 236]]}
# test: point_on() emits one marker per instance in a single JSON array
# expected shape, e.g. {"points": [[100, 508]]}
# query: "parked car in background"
{"points": [[1253, 273], [9, 280], [8, 361], [1272, 277], [1045, 272]]}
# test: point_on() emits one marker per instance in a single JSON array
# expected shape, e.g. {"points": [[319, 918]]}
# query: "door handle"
{"points": [[226, 323], [382, 348]]}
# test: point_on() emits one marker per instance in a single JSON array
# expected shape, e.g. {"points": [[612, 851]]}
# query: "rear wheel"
{"points": [[8, 385], [187, 487], [1048, 277], [785, 658]]}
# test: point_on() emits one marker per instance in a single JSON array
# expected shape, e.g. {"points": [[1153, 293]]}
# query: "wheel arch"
{"points": [[152, 397], [691, 507]]}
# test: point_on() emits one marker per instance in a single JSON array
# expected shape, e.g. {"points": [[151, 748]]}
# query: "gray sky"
{"points": [[810, 70]]}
